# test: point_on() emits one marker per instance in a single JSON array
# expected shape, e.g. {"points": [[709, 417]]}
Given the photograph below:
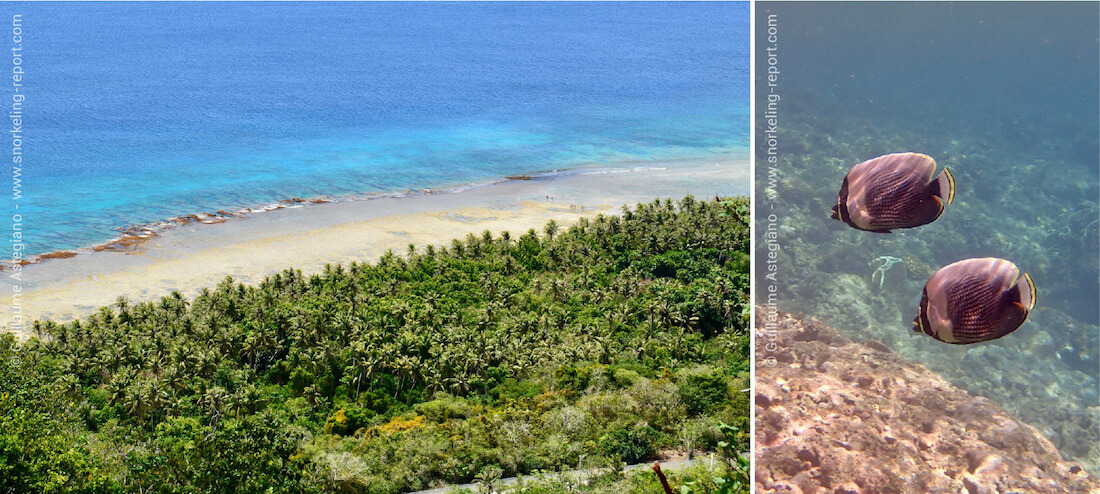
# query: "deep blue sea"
{"points": [[138, 112]]}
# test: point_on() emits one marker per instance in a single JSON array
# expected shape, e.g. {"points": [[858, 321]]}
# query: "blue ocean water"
{"points": [[138, 112]]}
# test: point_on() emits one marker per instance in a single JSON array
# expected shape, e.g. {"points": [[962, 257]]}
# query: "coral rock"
{"points": [[839, 416]]}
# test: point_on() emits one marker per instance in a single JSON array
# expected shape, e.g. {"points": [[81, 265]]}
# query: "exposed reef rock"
{"points": [[128, 241], [64, 254], [132, 236], [836, 416]]}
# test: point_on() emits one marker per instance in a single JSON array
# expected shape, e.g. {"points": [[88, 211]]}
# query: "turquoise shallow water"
{"points": [[136, 113]]}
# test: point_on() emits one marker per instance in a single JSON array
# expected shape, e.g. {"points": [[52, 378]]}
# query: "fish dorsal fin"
{"points": [[944, 186], [1026, 287]]}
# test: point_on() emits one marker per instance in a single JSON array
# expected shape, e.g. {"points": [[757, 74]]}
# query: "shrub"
{"points": [[701, 393], [632, 446], [571, 377], [513, 390], [445, 407], [626, 378]]}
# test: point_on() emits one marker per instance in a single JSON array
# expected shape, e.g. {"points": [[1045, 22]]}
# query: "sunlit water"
{"points": [[136, 113]]}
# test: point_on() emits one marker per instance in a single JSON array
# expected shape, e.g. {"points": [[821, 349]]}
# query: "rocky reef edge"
{"points": [[838, 416]]}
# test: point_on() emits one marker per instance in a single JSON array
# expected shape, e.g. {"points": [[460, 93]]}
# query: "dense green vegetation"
{"points": [[727, 472], [601, 343]]}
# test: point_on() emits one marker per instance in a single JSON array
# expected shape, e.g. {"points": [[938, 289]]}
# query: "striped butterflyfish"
{"points": [[975, 300], [893, 191]]}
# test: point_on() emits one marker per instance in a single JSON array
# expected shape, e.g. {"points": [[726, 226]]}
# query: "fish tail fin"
{"points": [[1026, 288], [944, 186]]}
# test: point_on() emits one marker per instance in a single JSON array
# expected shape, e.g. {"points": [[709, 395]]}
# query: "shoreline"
{"points": [[195, 254], [131, 236]]}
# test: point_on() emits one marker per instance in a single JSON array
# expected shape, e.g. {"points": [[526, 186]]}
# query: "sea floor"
{"points": [[250, 247], [1017, 199]]}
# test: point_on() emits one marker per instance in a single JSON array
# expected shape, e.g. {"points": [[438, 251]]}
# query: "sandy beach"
{"points": [[307, 237]]}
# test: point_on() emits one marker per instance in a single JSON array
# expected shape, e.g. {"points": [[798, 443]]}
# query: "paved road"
{"points": [[666, 466]]}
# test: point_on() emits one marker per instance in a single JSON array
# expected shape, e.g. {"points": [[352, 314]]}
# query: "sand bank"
{"points": [[307, 237]]}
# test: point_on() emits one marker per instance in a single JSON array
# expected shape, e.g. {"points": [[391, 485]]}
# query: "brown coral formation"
{"points": [[128, 241], [836, 416], [133, 236], [64, 254]]}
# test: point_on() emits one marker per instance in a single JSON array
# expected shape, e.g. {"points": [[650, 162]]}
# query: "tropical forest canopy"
{"points": [[603, 342]]}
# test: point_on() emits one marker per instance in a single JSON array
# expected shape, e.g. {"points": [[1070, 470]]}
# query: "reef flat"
{"points": [[834, 415], [191, 255]]}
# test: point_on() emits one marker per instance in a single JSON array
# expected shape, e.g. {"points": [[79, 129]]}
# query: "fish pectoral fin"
{"points": [[864, 218]]}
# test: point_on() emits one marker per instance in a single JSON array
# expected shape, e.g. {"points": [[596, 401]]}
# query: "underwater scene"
{"points": [[877, 371]]}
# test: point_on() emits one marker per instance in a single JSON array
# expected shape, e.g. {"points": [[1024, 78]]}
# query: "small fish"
{"points": [[975, 300], [893, 191]]}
